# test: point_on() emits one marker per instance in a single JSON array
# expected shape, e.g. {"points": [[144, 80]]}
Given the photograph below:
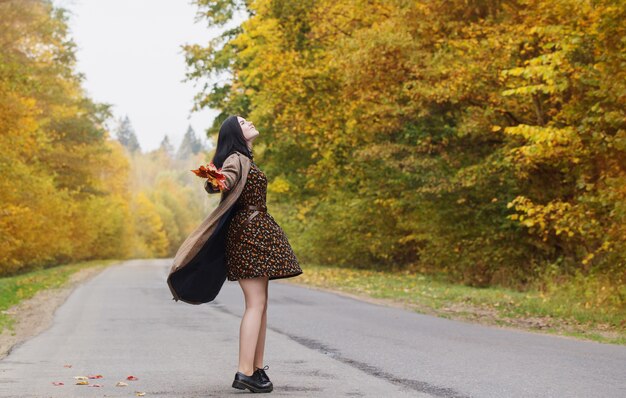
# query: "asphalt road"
{"points": [[319, 344]]}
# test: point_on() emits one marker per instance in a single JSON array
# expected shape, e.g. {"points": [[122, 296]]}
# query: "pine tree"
{"points": [[166, 146], [126, 135], [190, 145]]}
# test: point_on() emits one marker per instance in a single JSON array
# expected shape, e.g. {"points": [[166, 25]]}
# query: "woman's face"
{"points": [[249, 131]]}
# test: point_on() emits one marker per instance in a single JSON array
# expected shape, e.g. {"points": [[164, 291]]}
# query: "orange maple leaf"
{"points": [[213, 174]]}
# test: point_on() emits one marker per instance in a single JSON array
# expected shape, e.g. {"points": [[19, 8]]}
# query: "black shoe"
{"points": [[261, 372], [252, 383]]}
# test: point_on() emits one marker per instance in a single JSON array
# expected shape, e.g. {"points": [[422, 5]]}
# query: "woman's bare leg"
{"points": [[260, 344], [254, 294]]}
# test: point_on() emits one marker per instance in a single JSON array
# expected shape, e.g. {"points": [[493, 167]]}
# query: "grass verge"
{"points": [[15, 289], [426, 294]]}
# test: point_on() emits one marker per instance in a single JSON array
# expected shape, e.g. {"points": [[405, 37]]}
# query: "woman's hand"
{"points": [[210, 188], [223, 179], [215, 178]]}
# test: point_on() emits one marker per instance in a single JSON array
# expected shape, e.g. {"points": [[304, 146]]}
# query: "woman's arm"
{"points": [[231, 169]]}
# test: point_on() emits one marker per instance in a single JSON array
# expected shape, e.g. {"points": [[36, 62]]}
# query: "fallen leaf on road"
{"points": [[58, 383], [131, 378], [121, 384]]}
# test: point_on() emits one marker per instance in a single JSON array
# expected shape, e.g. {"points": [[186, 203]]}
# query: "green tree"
{"points": [[126, 135]]}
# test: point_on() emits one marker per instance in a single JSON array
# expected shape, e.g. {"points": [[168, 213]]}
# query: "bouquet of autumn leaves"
{"points": [[213, 175]]}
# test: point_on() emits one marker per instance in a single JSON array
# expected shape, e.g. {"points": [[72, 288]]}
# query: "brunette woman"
{"points": [[256, 248]]}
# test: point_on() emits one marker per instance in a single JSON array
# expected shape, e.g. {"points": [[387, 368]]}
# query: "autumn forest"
{"points": [[480, 140]]}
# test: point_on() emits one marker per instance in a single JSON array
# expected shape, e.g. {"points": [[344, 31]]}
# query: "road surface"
{"points": [[123, 322]]}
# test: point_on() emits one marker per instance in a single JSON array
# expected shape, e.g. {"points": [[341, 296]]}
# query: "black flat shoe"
{"points": [[261, 372], [252, 383]]}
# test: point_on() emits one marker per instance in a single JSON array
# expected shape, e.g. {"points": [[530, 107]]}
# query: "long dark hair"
{"points": [[229, 140]]}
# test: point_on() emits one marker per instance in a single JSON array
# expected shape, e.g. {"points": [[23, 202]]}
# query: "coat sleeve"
{"points": [[231, 170]]}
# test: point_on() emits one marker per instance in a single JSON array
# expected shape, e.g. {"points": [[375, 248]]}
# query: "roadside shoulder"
{"points": [[34, 315]]}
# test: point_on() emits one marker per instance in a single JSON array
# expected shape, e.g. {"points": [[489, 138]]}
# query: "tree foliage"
{"points": [[126, 135], [68, 191], [482, 139]]}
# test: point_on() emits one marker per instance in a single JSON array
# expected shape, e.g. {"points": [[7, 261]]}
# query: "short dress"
{"points": [[261, 248]]}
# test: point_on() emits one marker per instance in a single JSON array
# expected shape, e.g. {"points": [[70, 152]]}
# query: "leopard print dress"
{"points": [[261, 248]]}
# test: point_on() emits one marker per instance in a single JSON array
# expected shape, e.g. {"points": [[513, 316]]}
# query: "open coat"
{"points": [[199, 268]]}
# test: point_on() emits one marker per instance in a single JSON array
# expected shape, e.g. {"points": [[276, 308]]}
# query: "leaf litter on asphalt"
{"points": [[84, 380]]}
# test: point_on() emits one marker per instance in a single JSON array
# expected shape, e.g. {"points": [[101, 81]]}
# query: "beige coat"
{"points": [[199, 268]]}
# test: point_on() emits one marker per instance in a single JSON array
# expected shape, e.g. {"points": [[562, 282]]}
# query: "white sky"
{"points": [[130, 52]]}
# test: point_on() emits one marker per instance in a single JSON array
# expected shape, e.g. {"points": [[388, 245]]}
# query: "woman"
{"points": [[256, 247]]}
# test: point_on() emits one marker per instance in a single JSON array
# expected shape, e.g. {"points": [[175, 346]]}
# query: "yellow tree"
{"points": [[53, 146]]}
